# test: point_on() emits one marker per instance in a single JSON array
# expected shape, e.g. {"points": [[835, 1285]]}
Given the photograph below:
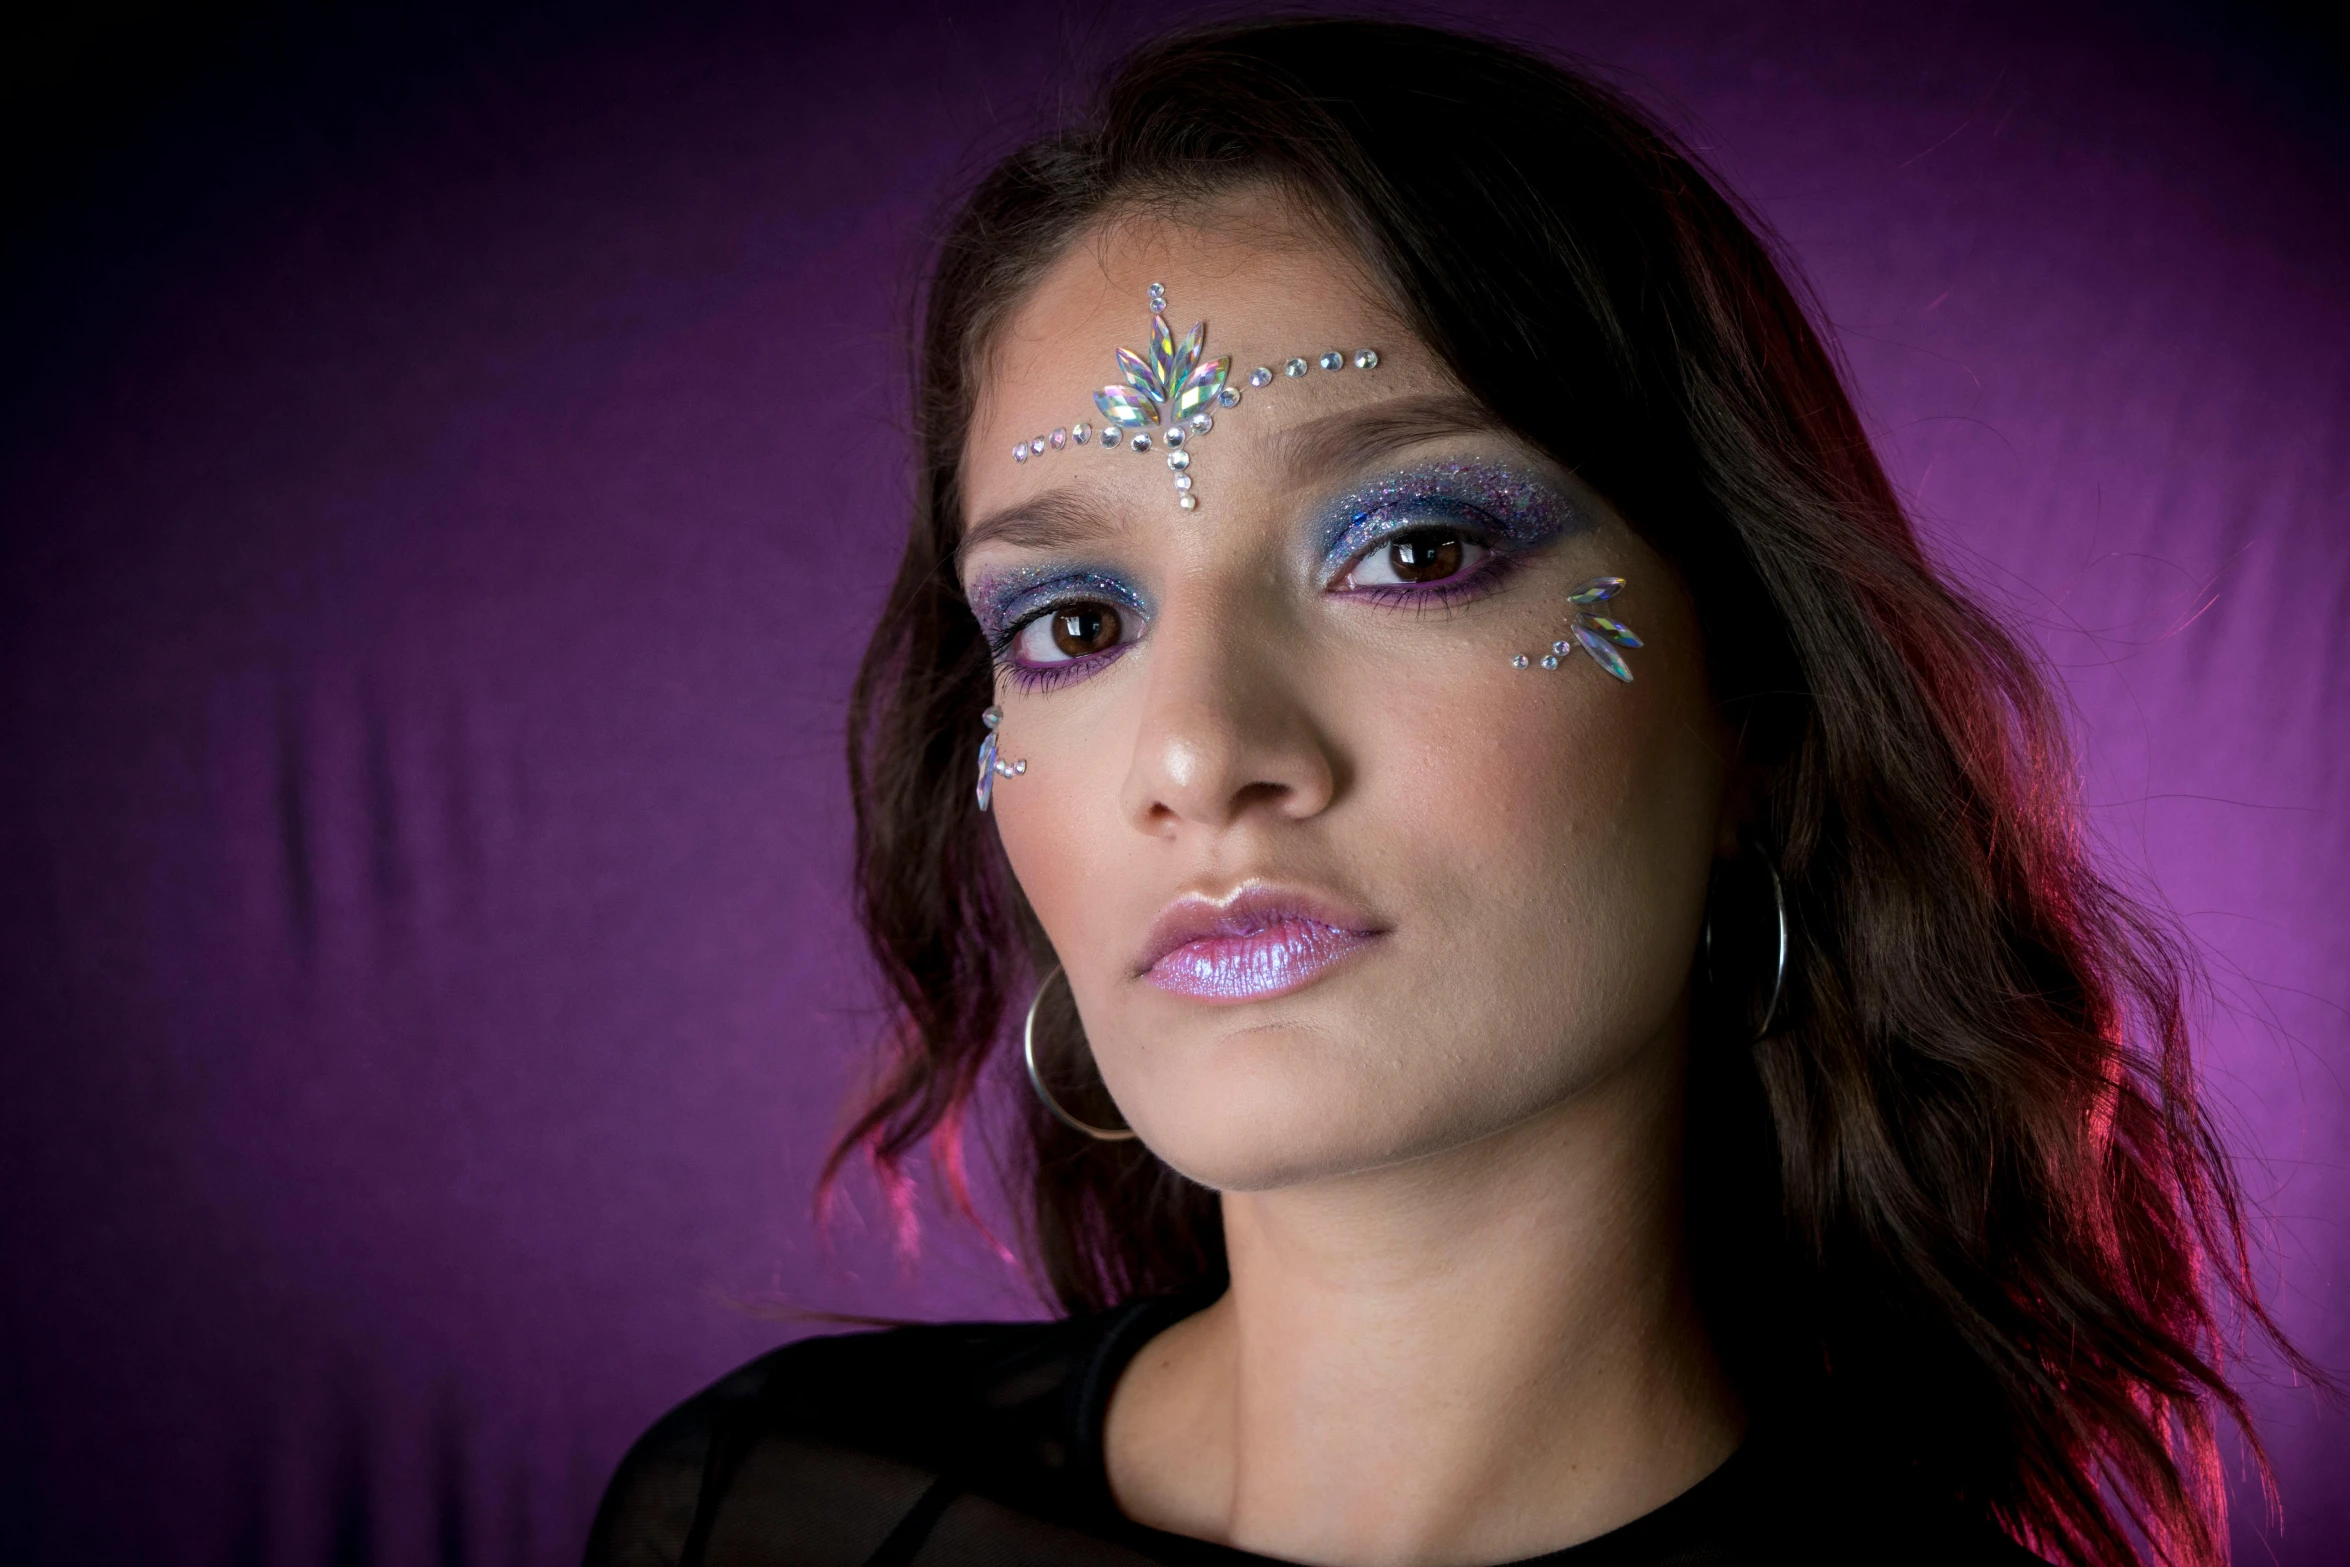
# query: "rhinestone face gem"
{"points": [[1019, 451], [1229, 397], [1334, 360], [1081, 433], [1179, 460], [1060, 438], [1174, 435], [1187, 502], [1520, 662], [1109, 440], [1260, 376], [1183, 481], [1202, 423], [1367, 359], [1562, 647], [1141, 441], [1037, 446], [1294, 369], [1550, 661]]}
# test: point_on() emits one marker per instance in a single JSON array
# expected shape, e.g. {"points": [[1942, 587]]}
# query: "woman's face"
{"points": [[1335, 884]]}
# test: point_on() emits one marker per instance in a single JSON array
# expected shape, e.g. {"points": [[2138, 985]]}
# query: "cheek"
{"points": [[1553, 831]]}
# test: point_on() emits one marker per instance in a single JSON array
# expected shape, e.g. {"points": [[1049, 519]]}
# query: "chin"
{"points": [[1289, 1115]]}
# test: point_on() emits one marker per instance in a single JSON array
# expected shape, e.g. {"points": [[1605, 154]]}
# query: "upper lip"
{"points": [[1247, 909]]}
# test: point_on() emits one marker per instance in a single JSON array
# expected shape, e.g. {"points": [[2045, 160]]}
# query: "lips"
{"points": [[1261, 942]]}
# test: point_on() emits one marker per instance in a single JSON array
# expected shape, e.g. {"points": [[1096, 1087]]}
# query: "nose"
{"points": [[1227, 731]]}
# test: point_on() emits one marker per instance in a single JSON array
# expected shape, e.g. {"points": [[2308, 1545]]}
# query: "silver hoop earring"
{"points": [[1779, 966], [1106, 1134]]}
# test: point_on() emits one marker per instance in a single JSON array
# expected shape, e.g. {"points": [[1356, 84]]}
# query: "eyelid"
{"points": [[1385, 523], [1004, 605]]}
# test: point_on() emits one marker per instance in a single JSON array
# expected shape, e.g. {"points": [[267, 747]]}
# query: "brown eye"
{"points": [[1425, 555], [1083, 629]]}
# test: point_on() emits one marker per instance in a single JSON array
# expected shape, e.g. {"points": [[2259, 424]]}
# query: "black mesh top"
{"points": [[980, 1445]]}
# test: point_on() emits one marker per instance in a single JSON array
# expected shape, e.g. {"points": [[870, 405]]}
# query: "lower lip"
{"points": [[1282, 957]]}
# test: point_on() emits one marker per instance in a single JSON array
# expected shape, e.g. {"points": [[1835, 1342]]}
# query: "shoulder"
{"points": [[868, 1419]]}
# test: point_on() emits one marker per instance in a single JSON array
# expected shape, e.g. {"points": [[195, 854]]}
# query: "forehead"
{"points": [[1267, 289]]}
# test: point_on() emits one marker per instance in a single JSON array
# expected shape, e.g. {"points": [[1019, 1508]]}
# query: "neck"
{"points": [[1476, 1356]]}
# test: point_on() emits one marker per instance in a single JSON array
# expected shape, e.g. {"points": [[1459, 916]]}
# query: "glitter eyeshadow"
{"points": [[1002, 600], [1523, 509]]}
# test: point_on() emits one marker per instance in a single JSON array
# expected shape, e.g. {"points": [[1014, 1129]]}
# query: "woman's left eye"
{"points": [[1416, 557]]}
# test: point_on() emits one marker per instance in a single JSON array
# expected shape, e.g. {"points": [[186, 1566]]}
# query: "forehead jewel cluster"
{"points": [[1170, 397]]}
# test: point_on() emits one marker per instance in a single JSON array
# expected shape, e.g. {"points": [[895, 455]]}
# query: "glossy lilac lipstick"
{"points": [[1262, 943]]}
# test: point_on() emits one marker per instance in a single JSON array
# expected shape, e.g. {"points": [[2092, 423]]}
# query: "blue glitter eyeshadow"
{"points": [[1507, 504], [1002, 600]]}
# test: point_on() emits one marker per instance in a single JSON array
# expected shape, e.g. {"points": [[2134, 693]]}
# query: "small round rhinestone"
{"points": [[1020, 767], [1019, 451], [1174, 435], [1520, 662], [1367, 359], [1183, 481], [1187, 501], [1334, 360], [1295, 368], [1260, 376], [1229, 396], [1179, 460], [1081, 433], [1109, 440], [1550, 661], [1060, 438], [1561, 649], [1037, 446], [1141, 441], [1157, 289], [1202, 423]]}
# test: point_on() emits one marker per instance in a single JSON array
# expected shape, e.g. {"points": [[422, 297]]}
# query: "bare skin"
{"points": [[1459, 1328]]}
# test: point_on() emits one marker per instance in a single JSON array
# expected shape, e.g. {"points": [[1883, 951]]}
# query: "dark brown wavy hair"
{"points": [[1961, 1212]]}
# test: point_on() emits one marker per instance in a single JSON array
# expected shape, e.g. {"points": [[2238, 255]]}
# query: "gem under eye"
{"points": [[1425, 556], [1085, 629]]}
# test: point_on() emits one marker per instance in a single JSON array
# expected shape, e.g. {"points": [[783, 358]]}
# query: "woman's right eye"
{"points": [[1069, 632]]}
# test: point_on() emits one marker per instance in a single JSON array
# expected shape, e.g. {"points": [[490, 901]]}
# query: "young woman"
{"points": [[1568, 1016]]}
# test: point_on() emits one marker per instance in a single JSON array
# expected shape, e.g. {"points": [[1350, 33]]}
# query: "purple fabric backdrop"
{"points": [[434, 558]]}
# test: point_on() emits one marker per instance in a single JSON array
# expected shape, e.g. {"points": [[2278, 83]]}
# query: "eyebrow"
{"points": [[1356, 437], [1053, 520], [1312, 452]]}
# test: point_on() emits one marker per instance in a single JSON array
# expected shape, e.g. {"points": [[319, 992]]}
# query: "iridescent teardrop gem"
{"points": [[1605, 656], [1295, 368], [1229, 396], [1596, 589], [1179, 460], [1261, 376], [1334, 360], [986, 789], [1367, 359]]}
